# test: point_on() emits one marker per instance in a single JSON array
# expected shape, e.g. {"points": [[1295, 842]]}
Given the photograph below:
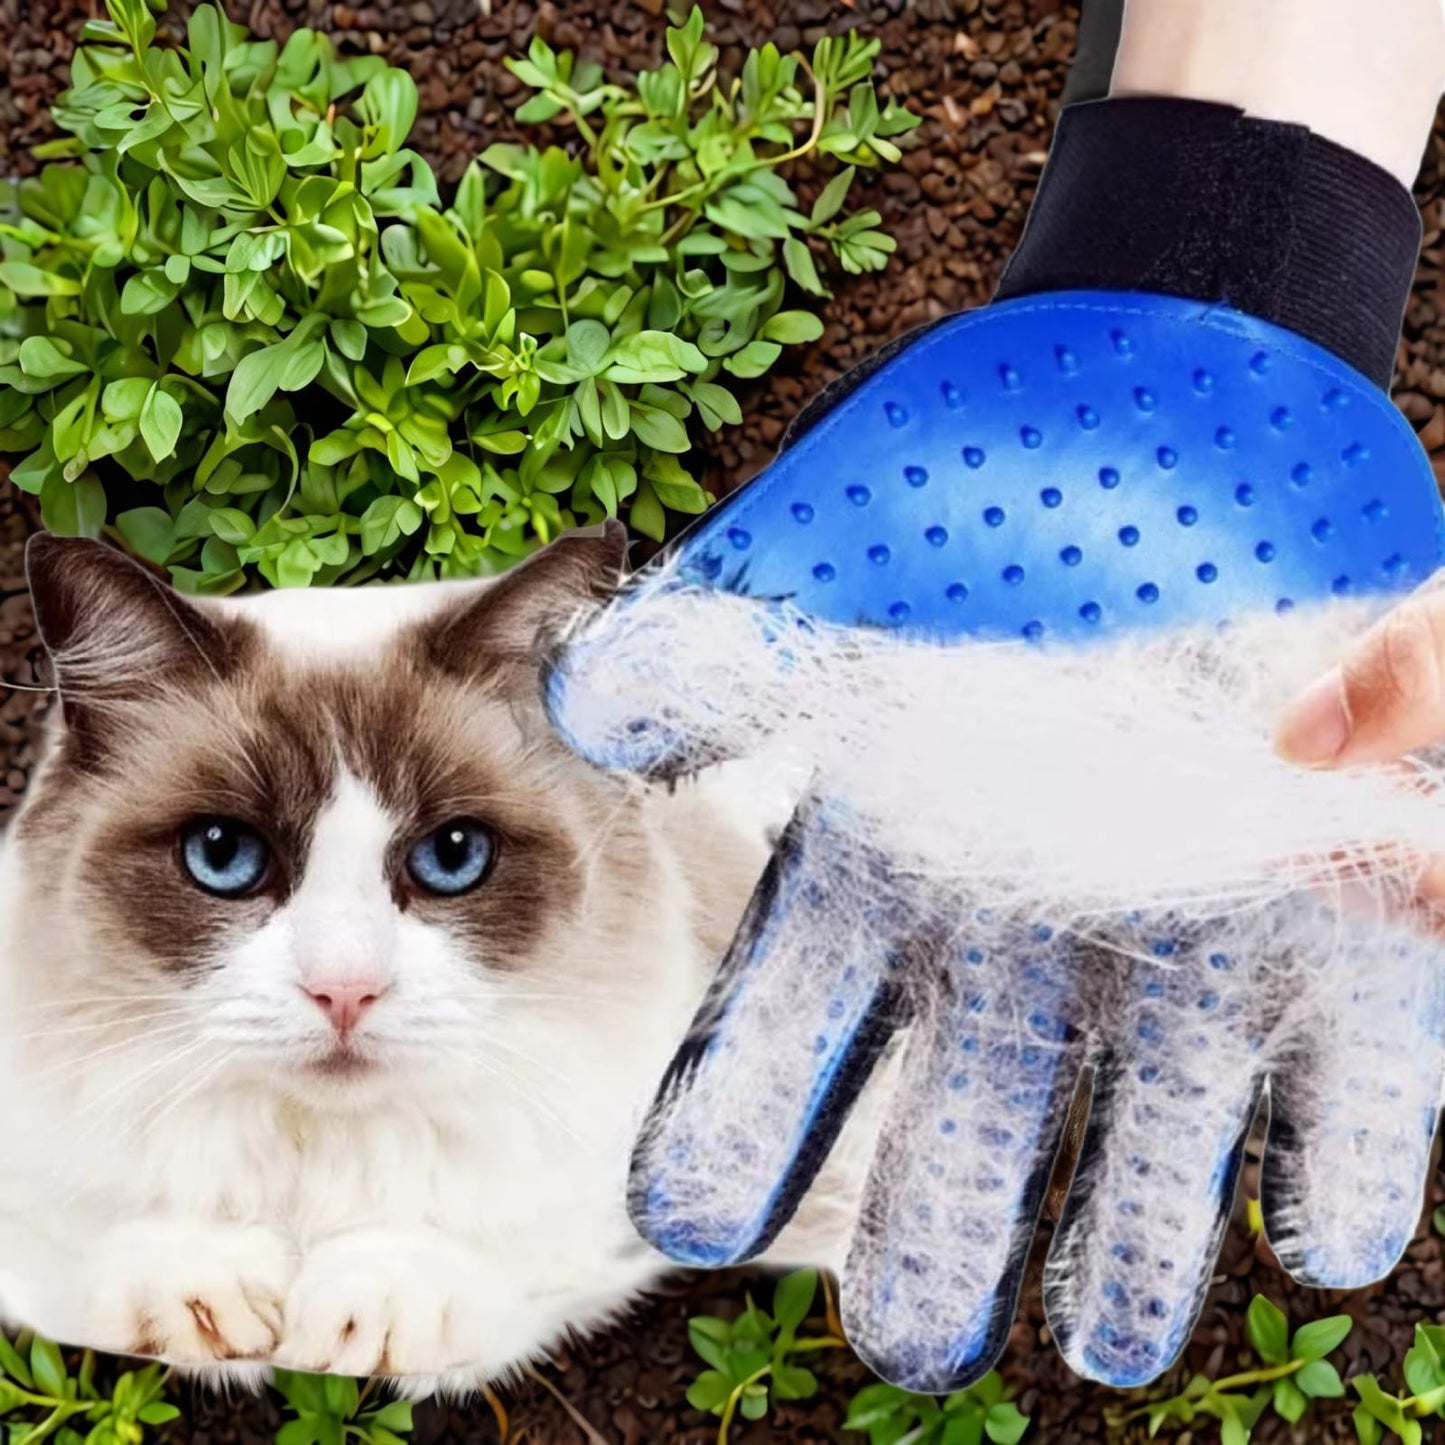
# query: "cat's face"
{"points": [[330, 833]]}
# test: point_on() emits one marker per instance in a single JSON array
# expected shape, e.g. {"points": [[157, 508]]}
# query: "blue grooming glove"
{"points": [[1079, 460]]}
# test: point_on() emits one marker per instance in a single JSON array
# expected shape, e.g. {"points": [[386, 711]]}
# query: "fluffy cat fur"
{"points": [[190, 1166]]}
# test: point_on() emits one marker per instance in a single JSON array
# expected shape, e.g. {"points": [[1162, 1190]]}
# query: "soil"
{"points": [[986, 75]]}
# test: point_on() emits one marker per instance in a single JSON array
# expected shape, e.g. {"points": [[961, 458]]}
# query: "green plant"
{"points": [[41, 1398], [242, 332], [1379, 1412], [753, 1356], [890, 1416], [1294, 1373], [332, 1410]]}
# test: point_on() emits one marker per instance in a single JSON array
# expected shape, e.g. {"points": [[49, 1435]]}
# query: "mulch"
{"points": [[986, 75]]}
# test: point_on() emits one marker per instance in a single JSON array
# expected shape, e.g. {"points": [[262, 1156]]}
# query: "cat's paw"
{"points": [[388, 1302], [189, 1293]]}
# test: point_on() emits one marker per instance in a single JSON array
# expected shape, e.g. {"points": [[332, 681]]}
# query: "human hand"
{"points": [[846, 945], [1386, 699]]}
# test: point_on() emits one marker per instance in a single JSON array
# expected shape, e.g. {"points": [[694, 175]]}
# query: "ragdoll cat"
{"points": [[332, 986]]}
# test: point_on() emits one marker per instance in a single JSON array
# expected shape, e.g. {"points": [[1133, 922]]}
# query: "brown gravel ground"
{"points": [[986, 74]]}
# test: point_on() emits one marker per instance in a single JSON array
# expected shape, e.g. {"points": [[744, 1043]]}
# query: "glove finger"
{"points": [[933, 1275], [673, 675], [805, 1001], [1353, 1111], [1136, 1245]]}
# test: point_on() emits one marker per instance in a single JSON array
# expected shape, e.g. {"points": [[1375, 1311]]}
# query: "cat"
{"points": [[333, 988]]}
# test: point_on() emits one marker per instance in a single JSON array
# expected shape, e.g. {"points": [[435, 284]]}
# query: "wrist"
{"points": [[1367, 76]]}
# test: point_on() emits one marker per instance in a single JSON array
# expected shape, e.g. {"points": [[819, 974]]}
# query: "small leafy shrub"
{"points": [[753, 1359], [333, 1410], [41, 1399], [242, 331], [1379, 1413], [1294, 1373], [890, 1416]]}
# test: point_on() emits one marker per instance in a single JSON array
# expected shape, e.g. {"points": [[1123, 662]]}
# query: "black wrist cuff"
{"points": [[1193, 199]]}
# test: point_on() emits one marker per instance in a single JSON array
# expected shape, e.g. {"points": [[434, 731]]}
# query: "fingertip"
{"points": [[1315, 728]]}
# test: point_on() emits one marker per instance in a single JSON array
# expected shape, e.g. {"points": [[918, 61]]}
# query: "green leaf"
{"points": [[1233, 1431], [73, 509], [874, 1404], [47, 1368], [504, 443], [801, 267], [13, 1365], [646, 514], [389, 102], [793, 1382], [160, 423], [1268, 1330], [147, 292], [231, 525], [717, 405], [1315, 1340], [350, 338], [149, 532], [1005, 1423], [40, 357], [1320, 1381], [340, 1395], [27, 280], [653, 356], [754, 1403], [754, 359], [1290, 1402], [1387, 1409], [793, 1299], [297, 564], [1367, 1429], [659, 429], [394, 1415], [253, 384], [387, 520], [587, 343], [792, 328], [124, 400], [831, 197]]}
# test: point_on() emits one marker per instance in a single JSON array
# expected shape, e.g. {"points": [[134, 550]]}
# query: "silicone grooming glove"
{"points": [[1174, 413]]}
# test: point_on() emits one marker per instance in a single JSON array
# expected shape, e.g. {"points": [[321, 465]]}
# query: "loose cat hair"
{"points": [[337, 1119]]}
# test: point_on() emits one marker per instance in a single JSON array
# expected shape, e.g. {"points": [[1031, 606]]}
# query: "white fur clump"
{"points": [[1054, 858], [1138, 773]]}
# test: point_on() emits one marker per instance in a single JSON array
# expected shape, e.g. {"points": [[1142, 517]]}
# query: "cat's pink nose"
{"points": [[345, 1001]]}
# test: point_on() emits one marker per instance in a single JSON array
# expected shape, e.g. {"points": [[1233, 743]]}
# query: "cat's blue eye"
{"points": [[225, 857], [454, 858]]}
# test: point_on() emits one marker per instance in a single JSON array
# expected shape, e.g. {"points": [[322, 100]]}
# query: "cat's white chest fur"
{"points": [[444, 1219]]}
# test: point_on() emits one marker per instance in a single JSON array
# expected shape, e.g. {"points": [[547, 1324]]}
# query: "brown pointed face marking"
{"points": [[176, 712]]}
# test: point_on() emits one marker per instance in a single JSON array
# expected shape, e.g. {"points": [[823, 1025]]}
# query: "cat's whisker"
{"points": [[85, 1060], [96, 1026], [200, 1077], [113, 999], [123, 1085]]}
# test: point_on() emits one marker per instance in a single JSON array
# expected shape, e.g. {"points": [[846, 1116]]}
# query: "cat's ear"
{"points": [[116, 632], [513, 620]]}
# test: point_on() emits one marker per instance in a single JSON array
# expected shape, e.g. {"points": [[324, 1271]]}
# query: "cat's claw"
{"points": [[191, 1294], [380, 1302]]}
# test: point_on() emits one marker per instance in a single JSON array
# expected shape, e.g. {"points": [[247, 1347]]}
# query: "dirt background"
{"points": [[986, 75]]}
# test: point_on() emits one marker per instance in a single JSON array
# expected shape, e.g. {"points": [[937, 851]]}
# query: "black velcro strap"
{"points": [[1190, 198]]}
